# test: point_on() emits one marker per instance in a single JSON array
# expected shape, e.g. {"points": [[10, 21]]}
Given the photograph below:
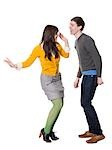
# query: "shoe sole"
{"points": [[95, 141]]}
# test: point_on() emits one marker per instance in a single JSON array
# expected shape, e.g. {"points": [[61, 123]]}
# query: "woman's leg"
{"points": [[53, 115], [57, 117]]}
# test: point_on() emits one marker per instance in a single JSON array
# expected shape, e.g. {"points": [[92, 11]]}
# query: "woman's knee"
{"points": [[58, 103]]}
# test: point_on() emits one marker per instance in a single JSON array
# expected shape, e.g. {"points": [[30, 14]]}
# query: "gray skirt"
{"points": [[52, 86]]}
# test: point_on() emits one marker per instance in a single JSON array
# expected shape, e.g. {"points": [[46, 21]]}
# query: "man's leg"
{"points": [[88, 88]]}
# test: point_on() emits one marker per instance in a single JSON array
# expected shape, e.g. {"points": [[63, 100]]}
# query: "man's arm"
{"points": [[79, 74], [91, 47]]}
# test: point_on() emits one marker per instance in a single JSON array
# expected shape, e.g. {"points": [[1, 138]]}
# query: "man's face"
{"points": [[74, 28]]}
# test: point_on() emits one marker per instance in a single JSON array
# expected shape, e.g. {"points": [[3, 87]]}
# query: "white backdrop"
{"points": [[23, 105]]}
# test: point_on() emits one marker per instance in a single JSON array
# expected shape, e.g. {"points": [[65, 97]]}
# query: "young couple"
{"points": [[90, 67]]}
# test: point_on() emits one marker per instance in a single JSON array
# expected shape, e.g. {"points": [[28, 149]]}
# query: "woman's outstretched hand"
{"points": [[10, 63]]}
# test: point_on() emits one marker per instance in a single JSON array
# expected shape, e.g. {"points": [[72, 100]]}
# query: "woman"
{"points": [[48, 52]]}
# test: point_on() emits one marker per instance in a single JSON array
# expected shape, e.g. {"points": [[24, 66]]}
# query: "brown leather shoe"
{"points": [[96, 138], [87, 134]]}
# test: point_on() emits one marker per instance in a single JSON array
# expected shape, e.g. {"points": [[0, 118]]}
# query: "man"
{"points": [[90, 66]]}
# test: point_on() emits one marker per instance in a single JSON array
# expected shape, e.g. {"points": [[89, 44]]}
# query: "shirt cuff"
{"points": [[19, 66], [67, 49]]}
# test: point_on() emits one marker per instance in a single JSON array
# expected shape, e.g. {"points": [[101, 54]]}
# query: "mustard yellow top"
{"points": [[48, 67]]}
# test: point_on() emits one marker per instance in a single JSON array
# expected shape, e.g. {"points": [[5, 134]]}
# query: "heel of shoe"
{"points": [[53, 136], [40, 134], [45, 136]]}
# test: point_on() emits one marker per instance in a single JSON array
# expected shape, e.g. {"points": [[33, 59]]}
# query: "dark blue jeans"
{"points": [[88, 88]]}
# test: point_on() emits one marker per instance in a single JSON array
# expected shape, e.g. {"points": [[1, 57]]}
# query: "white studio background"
{"points": [[23, 105]]}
